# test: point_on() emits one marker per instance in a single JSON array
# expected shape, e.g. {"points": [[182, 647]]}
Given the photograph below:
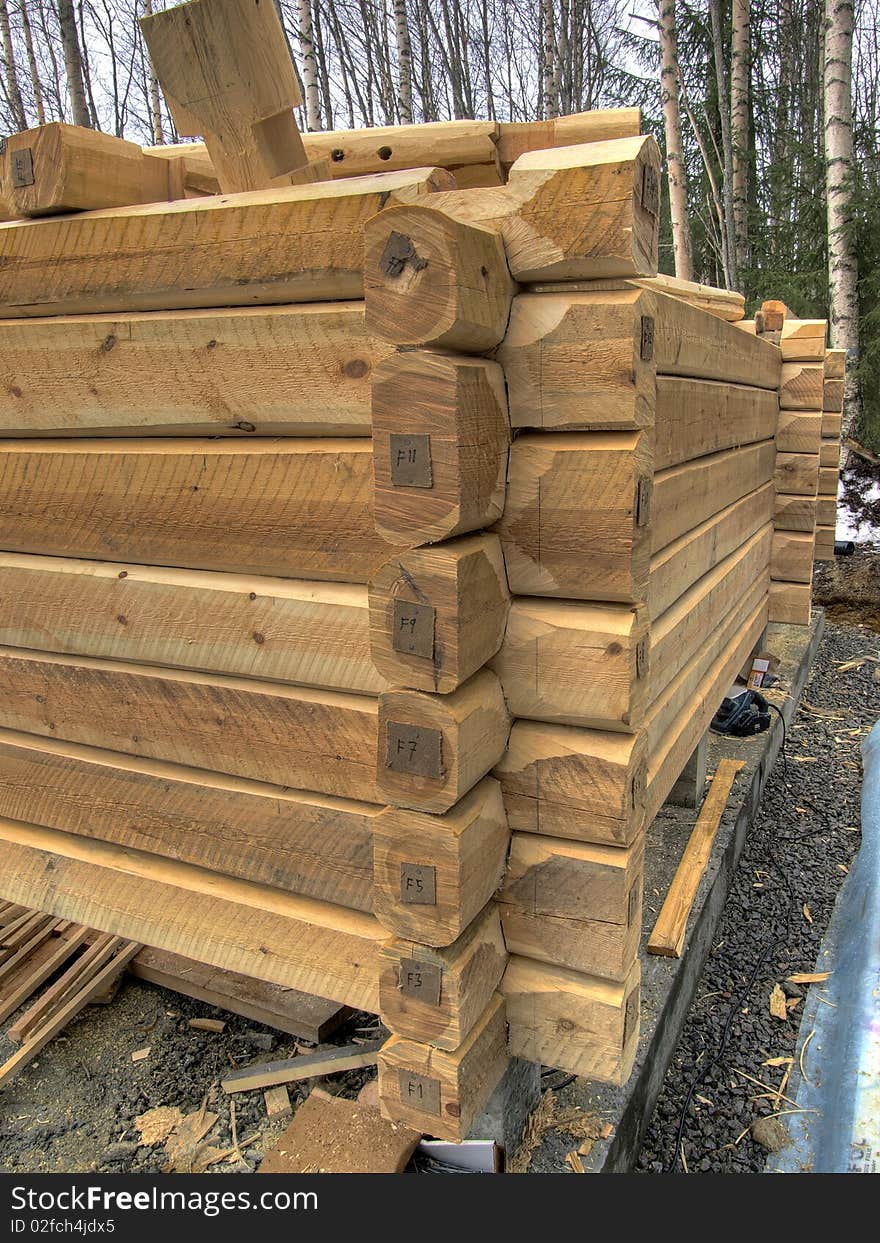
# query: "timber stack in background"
{"points": [[808, 444], [375, 553]]}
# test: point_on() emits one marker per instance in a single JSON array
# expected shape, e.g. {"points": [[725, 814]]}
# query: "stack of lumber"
{"points": [[609, 584], [802, 346], [829, 454], [226, 729]]}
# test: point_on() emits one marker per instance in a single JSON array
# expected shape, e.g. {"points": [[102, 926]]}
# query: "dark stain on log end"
{"points": [[400, 253]]}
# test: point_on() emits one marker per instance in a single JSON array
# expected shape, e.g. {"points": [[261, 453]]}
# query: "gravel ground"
{"points": [[793, 863]]}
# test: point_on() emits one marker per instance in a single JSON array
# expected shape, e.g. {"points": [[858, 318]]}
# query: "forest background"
{"points": [[767, 112]]}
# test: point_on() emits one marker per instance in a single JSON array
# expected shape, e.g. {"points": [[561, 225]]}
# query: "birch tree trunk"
{"points": [[842, 265], [731, 274], [675, 169], [13, 89], [404, 63], [548, 61], [310, 64], [36, 85], [155, 97], [73, 64], [739, 115]]}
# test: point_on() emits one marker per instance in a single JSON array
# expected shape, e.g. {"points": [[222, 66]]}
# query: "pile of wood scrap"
{"points": [[34, 947]]}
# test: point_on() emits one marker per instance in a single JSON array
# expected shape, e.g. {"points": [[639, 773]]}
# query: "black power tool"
{"points": [[746, 714]]}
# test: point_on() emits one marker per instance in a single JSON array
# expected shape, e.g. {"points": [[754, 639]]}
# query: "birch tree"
{"points": [[73, 64], [728, 234], [739, 116], [33, 69], [309, 64], [676, 174], [404, 63], [10, 70], [842, 265]]}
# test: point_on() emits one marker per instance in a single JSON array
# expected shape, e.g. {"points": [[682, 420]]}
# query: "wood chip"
{"points": [[808, 977], [778, 1061], [575, 1162], [157, 1124], [140, 1054], [207, 1025], [808, 914], [778, 1007], [277, 1101]]}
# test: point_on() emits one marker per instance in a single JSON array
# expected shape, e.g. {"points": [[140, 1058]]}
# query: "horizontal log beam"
{"points": [[553, 544], [698, 417], [294, 508], [579, 1023], [251, 929], [680, 564], [302, 843], [286, 735], [244, 371], [286, 630], [686, 495], [437, 995], [300, 244]]}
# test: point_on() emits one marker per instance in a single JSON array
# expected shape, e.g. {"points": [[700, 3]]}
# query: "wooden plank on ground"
{"points": [[667, 936], [98, 954], [286, 1009], [294, 508], [236, 371], [290, 736], [45, 965], [29, 1050], [40, 935], [308, 1066], [253, 929], [288, 630], [310, 844], [297, 244]]}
